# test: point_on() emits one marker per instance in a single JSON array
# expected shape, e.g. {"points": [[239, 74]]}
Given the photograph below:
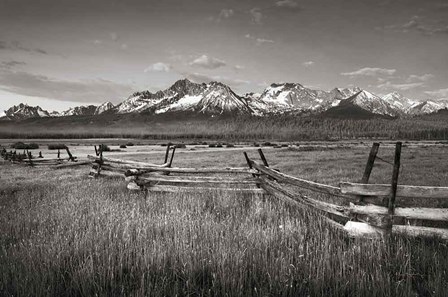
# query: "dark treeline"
{"points": [[286, 128]]}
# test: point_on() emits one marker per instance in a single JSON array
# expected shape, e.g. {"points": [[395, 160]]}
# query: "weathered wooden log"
{"points": [[236, 170], [418, 231], [403, 191], [314, 186], [357, 229], [418, 213], [188, 180], [176, 189], [135, 164], [43, 160], [74, 164], [333, 209]]}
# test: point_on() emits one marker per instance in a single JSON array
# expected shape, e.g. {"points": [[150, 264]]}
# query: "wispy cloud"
{"points": [[11, 64], [17, 46], [287, 4], [308, 63], [205, 61], [440, 93], [158, 67], [259, 40], [257, 16], [199, 78], [29, 84], [370, 71], [418, 78], [416, 24], [401, 87]]}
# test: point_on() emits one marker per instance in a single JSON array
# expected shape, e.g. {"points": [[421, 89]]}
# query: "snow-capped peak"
{"points": [[106, 106], [398, 101]]}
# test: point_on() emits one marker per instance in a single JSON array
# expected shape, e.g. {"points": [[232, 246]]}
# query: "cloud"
{"points": [[263, 40], [200, 78], [287, 4], [418, 78], [158, 67], [415, 24], [238, 67], [441, 93], [205, 61], [401, 87], [97, 42], [17, 46], [308, 63], [29, 84], [124, 46], [11, 64], [256, 15], [369, 71], [225, 13], [259, 41]]}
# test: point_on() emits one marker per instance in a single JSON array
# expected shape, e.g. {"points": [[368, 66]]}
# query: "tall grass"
{"points": [[83, 237]]}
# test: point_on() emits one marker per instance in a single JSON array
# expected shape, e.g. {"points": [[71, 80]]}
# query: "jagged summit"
{"points": [[24, 111]]}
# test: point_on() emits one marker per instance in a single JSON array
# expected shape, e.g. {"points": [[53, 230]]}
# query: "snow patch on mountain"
{"points": [[106, 106]]}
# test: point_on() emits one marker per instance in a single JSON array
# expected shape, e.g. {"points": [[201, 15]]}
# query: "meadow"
{"points": [[63, 234]]}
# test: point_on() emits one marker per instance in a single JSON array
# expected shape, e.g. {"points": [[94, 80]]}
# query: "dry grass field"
{"points": [[63, 234]]}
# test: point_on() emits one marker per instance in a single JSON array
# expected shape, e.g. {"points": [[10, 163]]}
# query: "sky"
{"points": [[60, 53]]}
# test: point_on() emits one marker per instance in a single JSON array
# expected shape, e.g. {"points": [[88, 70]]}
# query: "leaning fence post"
{"points": [[167, 153], [172, 157], [394, 183], [263, 158], [369, 165], [70, 156], [96, 151]]}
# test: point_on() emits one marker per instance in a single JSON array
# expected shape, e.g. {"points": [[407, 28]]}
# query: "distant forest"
{"points": [[239, 128]]}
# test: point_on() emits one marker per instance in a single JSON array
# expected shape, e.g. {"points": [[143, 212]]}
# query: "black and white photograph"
{"points": [[224, 148]]}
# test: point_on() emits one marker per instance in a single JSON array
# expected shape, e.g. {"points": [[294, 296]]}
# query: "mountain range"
{"points": [[216, 98]]}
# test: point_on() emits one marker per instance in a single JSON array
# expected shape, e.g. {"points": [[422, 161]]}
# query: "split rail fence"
{"points": [[27, 158], [362, 209]]}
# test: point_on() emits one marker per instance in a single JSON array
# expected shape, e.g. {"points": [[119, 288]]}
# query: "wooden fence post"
{"points": [[394, 184], [70, 156], [369, 165], [167, 153], [263, 158], [96, 151], [30, 158], [248, 161], [59, 153]]}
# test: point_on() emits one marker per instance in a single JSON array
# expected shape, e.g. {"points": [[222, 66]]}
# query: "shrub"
{"points": [[230, 145], [104, 148], [180, 145], [57, 146], [25, 146], [212, 145], [219, 145], [123, 146], [129, 144]]}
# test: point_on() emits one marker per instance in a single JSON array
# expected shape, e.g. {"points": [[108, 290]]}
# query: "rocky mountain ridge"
{"points": [[216, 98]]}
